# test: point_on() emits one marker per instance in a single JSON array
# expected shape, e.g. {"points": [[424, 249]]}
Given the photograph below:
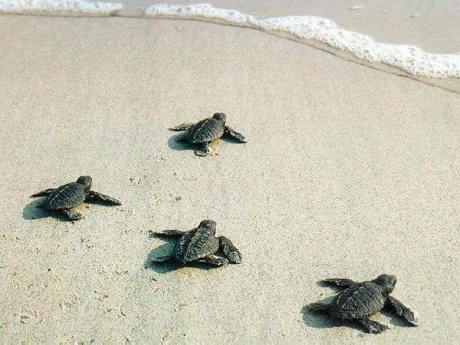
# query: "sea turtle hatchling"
{"points": [[70, 195], [359, 301], [200, 245], [206, 131]]}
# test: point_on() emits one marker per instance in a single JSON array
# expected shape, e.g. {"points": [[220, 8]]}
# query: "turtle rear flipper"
{"points": [[402, 310], [72, 215], [45, 192], [102, 197], [230, 252], [371, 326], [215, 261], [231, 133], [182, 127]]}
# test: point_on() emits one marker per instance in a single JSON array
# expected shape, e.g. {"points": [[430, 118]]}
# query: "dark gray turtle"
{"points": [[201, 244], [70, 195], [359, 301], [204, 132]]}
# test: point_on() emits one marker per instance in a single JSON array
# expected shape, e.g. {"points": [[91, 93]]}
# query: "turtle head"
{"points": [[220, 116], [85, 181], [388, 281], [208, 224]]}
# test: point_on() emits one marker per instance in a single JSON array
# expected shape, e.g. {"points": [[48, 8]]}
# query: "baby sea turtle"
{"points": [[359, 301], [200, 244], [70, 195], [204, 132]]}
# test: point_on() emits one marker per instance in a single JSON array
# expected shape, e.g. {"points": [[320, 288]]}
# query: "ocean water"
{"points": [[408, 58]]}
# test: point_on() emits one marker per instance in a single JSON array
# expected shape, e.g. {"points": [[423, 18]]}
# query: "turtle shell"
{"points": [[206, 130], [65, 197], [195, 245], [359, 301]]}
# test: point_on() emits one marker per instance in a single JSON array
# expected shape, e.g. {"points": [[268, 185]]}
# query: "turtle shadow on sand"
{"points": [[316, 320], [167, 267], [358, 302], [32, 211], [175, 143], [322, 320], [204, 135], [66, 199]]}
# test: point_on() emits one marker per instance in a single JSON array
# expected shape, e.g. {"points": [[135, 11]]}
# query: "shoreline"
{"points": [[449, 84], [318, 32]]}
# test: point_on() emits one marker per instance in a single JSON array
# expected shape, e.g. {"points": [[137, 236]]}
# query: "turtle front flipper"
{"points": [[338, 282], [371, 326], [207, 148], [215, 261], [182, 127], [231, 133], [45, 192], [102, 197], [202, 150], [230, 252], [402, 310], [72, 215], [167, 233]]}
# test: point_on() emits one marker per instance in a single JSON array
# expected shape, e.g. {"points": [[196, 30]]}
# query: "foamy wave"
{"points": [[408, 58], [59, 7]]}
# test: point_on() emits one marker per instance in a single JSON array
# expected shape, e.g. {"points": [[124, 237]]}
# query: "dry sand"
{"points": [[349, 172]]}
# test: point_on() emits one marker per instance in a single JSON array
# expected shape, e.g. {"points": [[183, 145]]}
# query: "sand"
{"points": [[349, 171]]}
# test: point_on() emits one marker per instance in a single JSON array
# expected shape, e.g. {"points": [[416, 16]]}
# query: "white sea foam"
{"points": [[408, 58], [59, 7]]}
